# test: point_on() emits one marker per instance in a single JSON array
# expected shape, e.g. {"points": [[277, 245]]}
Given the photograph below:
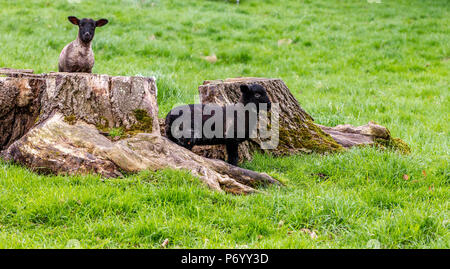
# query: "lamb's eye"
{"points": [[257, 95]]}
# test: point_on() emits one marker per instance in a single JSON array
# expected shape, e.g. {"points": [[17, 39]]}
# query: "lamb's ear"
{"points": [[101, 22], [244, 88], [74, 20]]}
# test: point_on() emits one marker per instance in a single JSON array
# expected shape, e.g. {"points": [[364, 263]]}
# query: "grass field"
{"points": [[349, 62]]}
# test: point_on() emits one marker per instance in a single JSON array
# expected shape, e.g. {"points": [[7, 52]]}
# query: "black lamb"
{"points": [[254, 97]]}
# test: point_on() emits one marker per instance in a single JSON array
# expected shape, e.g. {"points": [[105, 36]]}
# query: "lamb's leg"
{"points": [[232, 152]]}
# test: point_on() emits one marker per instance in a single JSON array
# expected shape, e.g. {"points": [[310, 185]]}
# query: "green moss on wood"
{"points": [[144, 121], [104, 125], [116, 132], [395, 144], [144, 124], [306, 137], [70, 119]]}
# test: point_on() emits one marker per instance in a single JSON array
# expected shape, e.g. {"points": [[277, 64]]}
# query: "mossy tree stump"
{"points": [[297, 131], [66, 122]]}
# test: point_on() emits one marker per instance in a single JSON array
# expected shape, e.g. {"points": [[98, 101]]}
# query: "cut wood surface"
{"points": [[8, 71]]}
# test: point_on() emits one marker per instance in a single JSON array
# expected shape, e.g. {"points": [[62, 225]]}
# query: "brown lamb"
{"points": [[77, 56]]}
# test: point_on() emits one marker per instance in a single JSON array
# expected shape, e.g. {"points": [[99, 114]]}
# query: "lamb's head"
{"points": [[255, 94], [87, 27]]}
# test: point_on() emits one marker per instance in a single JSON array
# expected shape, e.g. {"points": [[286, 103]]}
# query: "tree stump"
{"points": [[104, 101], [70, 130], [297, 131]]}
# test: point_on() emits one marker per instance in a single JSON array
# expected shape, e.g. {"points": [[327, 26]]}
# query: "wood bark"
{"points": [[70, 132]]}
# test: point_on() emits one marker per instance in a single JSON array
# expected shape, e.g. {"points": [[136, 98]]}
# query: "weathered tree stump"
{"points": [[297, 131], [69, 130], [104, 101]]}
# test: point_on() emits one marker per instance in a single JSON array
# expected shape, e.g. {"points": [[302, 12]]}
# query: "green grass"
{"points": [[349, 62]]}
